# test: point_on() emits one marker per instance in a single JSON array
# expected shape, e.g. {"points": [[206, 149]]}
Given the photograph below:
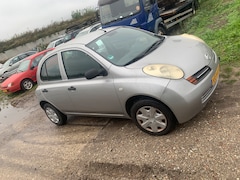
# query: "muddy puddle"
{"points": [[10, 114]]}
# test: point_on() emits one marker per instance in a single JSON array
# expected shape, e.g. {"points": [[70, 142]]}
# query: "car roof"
{"points": [[84, 40], [88, 29], [38, 53]]}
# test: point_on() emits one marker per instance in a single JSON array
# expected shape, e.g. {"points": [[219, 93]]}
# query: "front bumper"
{"points": [[186, 99]]}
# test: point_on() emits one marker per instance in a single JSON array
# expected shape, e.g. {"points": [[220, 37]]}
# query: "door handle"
{"points": [[45, 90], [72, 88]]}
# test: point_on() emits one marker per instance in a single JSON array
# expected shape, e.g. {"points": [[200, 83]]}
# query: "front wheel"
{"points": [[153, 117], [27, 84], [55, 115], [161, 30]]}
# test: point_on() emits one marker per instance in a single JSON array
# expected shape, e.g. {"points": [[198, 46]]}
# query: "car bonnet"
{"points": [[185, 53]]}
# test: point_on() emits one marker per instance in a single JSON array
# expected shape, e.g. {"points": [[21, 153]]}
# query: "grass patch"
{"points": [[217, 22], [10, 96]]}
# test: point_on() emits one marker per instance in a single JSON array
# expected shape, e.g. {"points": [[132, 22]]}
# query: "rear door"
{"points": [[53, 88]]}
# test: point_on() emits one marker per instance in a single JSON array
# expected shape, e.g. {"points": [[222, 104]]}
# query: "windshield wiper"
{"points": [[154, 46], [114, 20], [147, 51]]}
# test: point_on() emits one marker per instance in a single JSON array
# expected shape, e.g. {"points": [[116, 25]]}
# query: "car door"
{"points": [[13, 64], [90, 96], [53, 88]]}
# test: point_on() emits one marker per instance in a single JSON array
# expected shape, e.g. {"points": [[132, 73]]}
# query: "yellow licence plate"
{"points": [[215, 76]]}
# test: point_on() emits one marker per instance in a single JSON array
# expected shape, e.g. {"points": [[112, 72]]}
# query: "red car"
{"points": [[25, 77]]}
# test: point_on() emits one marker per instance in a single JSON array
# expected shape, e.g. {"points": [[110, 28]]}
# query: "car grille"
{"points": [[200, 75]]}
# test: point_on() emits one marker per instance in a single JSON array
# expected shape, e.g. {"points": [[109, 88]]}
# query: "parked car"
{"points": [[14, 62], [7, 75], [70, 35], [123, 72], [55, 43], [89, 29], [25, 76]]}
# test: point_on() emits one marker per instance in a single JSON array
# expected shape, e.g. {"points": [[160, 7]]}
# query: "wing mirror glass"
{"points": [[92, 73]]}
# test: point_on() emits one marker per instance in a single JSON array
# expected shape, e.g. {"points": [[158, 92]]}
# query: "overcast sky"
{"points": [[19, 16]]}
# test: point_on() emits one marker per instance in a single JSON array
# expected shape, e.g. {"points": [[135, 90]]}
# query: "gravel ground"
{"points": [[207, 147]]}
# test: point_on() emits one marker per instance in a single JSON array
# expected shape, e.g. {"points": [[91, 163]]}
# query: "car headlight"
{"points": [[163, 71], [10, 85]]}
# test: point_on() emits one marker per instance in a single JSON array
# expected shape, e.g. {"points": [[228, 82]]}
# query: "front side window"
{"points": [[50, 70], [14, 60], [77, 63], [118, 9]]}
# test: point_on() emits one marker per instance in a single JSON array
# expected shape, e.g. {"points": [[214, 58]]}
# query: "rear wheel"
{"points": [[27, 84], [55, 115], [152, 117]]}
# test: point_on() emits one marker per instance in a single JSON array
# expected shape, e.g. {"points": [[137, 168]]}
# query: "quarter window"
{"points": [[50, 70], [77, 63]]}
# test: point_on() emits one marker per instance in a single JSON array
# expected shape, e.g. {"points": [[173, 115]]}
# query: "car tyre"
{"points": [[161, 30], [54, 115], [153, 117], [26, 84]]}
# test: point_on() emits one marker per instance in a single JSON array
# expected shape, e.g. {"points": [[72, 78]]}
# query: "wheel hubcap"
{"points": [[27, 85], [151, 119], [51, 114]]}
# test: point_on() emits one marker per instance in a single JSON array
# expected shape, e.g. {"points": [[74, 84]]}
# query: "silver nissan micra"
{"points": [[124, 72]]}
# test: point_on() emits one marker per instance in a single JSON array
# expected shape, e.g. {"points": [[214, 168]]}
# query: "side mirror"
{"points": [[92, 73]]}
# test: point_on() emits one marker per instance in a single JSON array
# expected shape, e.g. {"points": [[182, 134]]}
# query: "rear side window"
{"points": [[22, 56], [50, 70], [30, 53]]}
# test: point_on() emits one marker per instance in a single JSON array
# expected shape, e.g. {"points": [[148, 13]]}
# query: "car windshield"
{"points": [[116, 9], [23, 66], [6, 64], [83, 32], [124, 46]]}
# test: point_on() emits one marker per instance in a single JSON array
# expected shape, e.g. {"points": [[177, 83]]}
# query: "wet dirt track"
{"points": [[206, 147]]}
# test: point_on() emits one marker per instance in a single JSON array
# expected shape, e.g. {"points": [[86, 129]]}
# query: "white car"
{"points": [[12, 64], [55, 43], [89, 29]]}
